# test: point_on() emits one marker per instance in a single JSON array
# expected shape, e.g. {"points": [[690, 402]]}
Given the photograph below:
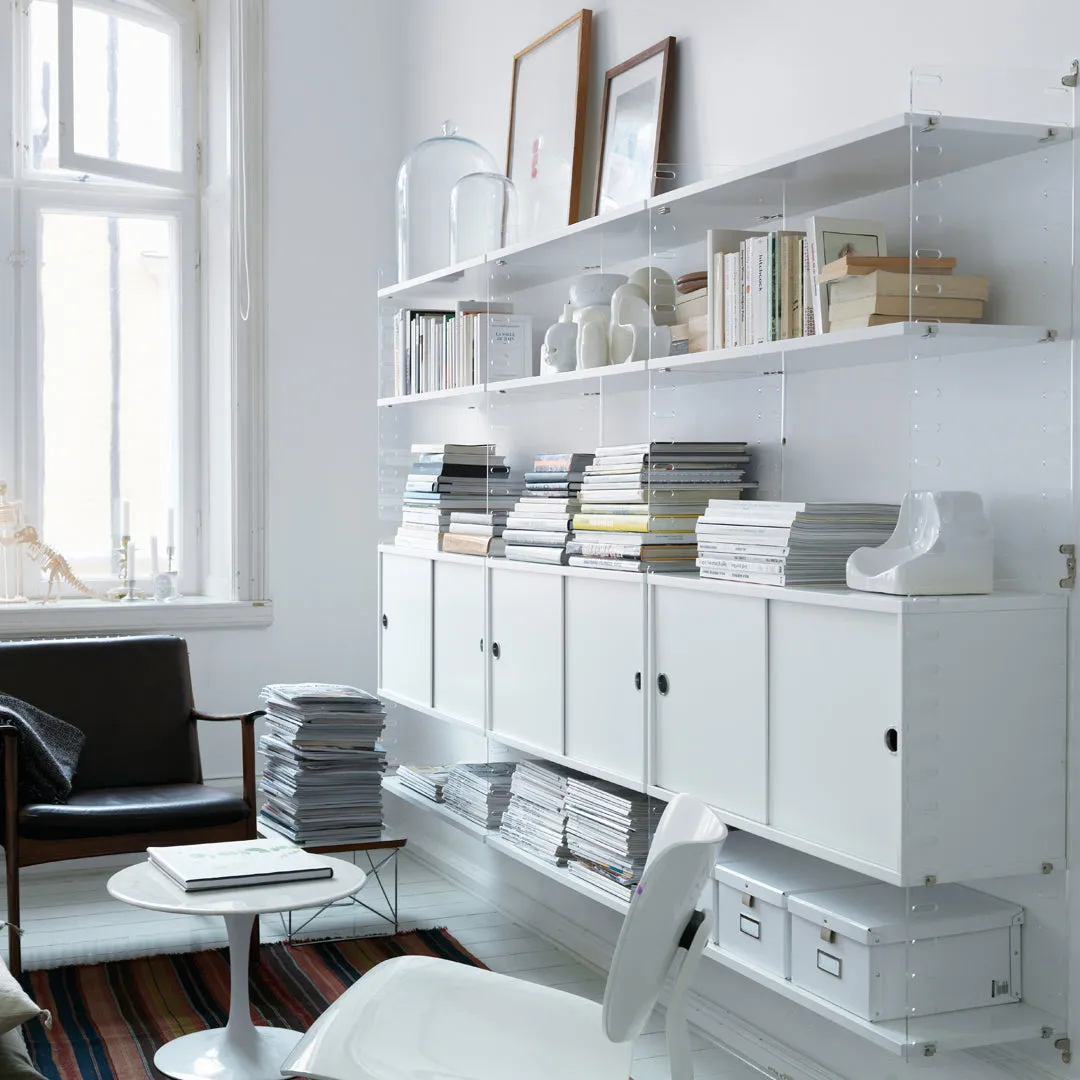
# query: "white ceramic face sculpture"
{"points": [[634, 335], [592, 342], [560, 347], [594, 290]]}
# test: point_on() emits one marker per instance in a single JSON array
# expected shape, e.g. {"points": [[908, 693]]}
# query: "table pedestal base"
{"points": [[206, 1054]]}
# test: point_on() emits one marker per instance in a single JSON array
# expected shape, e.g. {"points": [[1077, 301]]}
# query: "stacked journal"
{"points": [[788, 543], [426, 780], [608, 830], [480, 792], [197, 867], [640, 503], [322, 779], [535, 820], [449, 479], [539, 525]]}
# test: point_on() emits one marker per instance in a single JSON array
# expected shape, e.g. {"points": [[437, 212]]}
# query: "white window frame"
{"points": [[184, 14], [36, 200]]}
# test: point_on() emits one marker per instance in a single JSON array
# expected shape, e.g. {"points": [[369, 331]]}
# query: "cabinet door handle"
{"points": [[495, 649], [637, 680], [481, 644], [385, 622], [662, 683], [892, 740]]}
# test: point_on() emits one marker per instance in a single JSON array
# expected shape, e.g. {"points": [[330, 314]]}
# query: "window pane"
{"points": [[108, 305], [127, 103], [42, 93]]}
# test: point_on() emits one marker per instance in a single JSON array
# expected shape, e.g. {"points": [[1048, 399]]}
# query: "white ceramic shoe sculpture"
{"points": [[943, 545]]}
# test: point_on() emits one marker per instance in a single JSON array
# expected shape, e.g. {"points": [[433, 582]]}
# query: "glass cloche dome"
{"points": [[424, 182]]}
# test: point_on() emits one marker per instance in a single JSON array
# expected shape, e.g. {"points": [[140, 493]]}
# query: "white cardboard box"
{"points": [[753, 881], [886, 953]]}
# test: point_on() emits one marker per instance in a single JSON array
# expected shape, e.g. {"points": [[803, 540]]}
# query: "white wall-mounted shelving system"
{"points": [[915, 740]]}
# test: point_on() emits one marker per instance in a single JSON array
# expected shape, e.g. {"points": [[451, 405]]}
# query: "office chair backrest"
{"points": [[681, 859], [130, 696]]}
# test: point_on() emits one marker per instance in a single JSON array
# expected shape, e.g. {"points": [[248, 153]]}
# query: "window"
{"points": [[101, 399]]}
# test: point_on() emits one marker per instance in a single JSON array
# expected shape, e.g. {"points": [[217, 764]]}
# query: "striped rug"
{"points": [[109, 1019]]}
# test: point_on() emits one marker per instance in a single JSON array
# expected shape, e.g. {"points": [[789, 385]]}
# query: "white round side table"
{"points": [[240, 1050]]}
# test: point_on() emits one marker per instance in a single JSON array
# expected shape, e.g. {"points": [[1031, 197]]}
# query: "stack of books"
{"points": [[640, 503], [322, 779], [476, 532], [449, 478], [608, 830], [788, 543], [535, 820], [539, 525], [480, 792], [229, 865], [426, 780], [872, 291]]}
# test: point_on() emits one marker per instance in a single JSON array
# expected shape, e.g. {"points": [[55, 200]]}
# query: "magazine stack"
{"points": [[535, 820], [539, 525], [480, 792], [426, 780], [323, 766]]}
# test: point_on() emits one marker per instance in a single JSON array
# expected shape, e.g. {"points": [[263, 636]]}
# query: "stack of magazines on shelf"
{"points": [[608, 829], [480, 792], [535, 820], [426, 780], [640, 503], [322, 777], [456, 499], [539, 525], [789, 543]]}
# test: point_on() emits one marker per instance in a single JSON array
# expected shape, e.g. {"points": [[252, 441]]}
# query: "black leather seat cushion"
{"points": [[125, 810]]}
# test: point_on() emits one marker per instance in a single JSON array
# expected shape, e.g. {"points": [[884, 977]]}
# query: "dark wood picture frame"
{"points": [[581, 98], [667, 48]]}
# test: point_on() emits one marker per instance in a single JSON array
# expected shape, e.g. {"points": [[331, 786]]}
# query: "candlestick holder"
{"points": [[120, 558]]}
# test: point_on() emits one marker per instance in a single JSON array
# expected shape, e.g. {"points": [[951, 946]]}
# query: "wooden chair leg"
{"points": [[13, 912]]}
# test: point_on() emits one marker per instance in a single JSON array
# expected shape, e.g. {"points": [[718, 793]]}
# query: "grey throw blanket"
{"points": [[48, 751]]}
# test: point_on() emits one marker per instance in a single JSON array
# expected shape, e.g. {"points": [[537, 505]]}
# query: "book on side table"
{"points": [[195, 867]]}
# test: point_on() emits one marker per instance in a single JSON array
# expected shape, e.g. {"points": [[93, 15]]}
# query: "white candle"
{"points": [[153, 556], [125, 519], [131, 562], [170, 535]]}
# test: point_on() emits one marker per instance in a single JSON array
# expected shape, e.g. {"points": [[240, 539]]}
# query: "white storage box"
{"points": [[753, 880], [885, 953]]}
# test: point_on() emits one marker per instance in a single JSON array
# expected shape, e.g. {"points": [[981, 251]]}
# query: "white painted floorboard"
{"points": [[71, 919]]}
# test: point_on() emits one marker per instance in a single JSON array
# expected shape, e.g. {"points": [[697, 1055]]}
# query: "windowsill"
{"points": [[102, 616]]}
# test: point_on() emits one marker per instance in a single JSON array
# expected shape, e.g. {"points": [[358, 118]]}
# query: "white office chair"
{"points": [[420, 1018]]}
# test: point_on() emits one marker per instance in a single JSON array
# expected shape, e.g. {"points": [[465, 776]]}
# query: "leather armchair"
{"points": [[139, 778]]}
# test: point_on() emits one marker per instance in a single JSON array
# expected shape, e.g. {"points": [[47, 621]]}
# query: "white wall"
{"points": [[333, 146]]}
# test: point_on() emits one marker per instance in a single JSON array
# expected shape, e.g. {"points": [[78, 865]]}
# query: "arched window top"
{"points": [[128, 76]]}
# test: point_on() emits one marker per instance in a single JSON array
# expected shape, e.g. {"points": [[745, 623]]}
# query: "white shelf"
{"points": [[558, 873], [570, 763], [939, 1034], [430, 395], [848, 166], [396, 788], [427, 710]]}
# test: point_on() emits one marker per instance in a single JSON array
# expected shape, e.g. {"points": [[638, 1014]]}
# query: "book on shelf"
{"points": [[468, 450], [478, 517], [633, 566], [629, 520], [555, 556], [851, 265], [228, 865], [473, 545], [458, 469], [536, 537], [428, 781], [559, 523], [466, 528], [635, 550], [688, 494], [882, 283], [670, 449], [903, 305], [560, 463]]}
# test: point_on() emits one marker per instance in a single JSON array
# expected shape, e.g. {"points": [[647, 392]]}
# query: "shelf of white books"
{"points": [[847, 166], [570, 763], [851, 348], [396, 788], [558, 873], [921, 1037]]}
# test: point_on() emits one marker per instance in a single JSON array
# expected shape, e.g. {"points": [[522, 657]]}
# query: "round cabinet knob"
{"points": [[481, 644], [637, 680], [495, 649], [662, 683], [385, 622], [892, 740]]}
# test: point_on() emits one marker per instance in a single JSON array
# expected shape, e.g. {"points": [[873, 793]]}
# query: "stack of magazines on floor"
{"points": [[608, 830], [789, 543], [539, 525], [640, 503], [480, 792], [456, 499], [535, 820], [322, 779], [426, 780]]}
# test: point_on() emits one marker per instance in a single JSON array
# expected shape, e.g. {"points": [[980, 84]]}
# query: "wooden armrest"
{"points": [[247, 718], [9, 731]]}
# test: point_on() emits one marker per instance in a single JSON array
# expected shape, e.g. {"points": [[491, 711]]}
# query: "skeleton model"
{"points": [[52, 563], [10, 563]]}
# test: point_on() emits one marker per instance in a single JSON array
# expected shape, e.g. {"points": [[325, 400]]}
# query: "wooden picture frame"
{"points": [[604, 197], [546, 140]]}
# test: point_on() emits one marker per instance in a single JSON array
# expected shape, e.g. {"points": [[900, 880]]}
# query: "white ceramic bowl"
{"points": [[592, 290]]}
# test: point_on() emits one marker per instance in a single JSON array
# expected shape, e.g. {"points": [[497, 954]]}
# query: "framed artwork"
{"points": [[632, 129], [547, 126], [830, 238]]}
